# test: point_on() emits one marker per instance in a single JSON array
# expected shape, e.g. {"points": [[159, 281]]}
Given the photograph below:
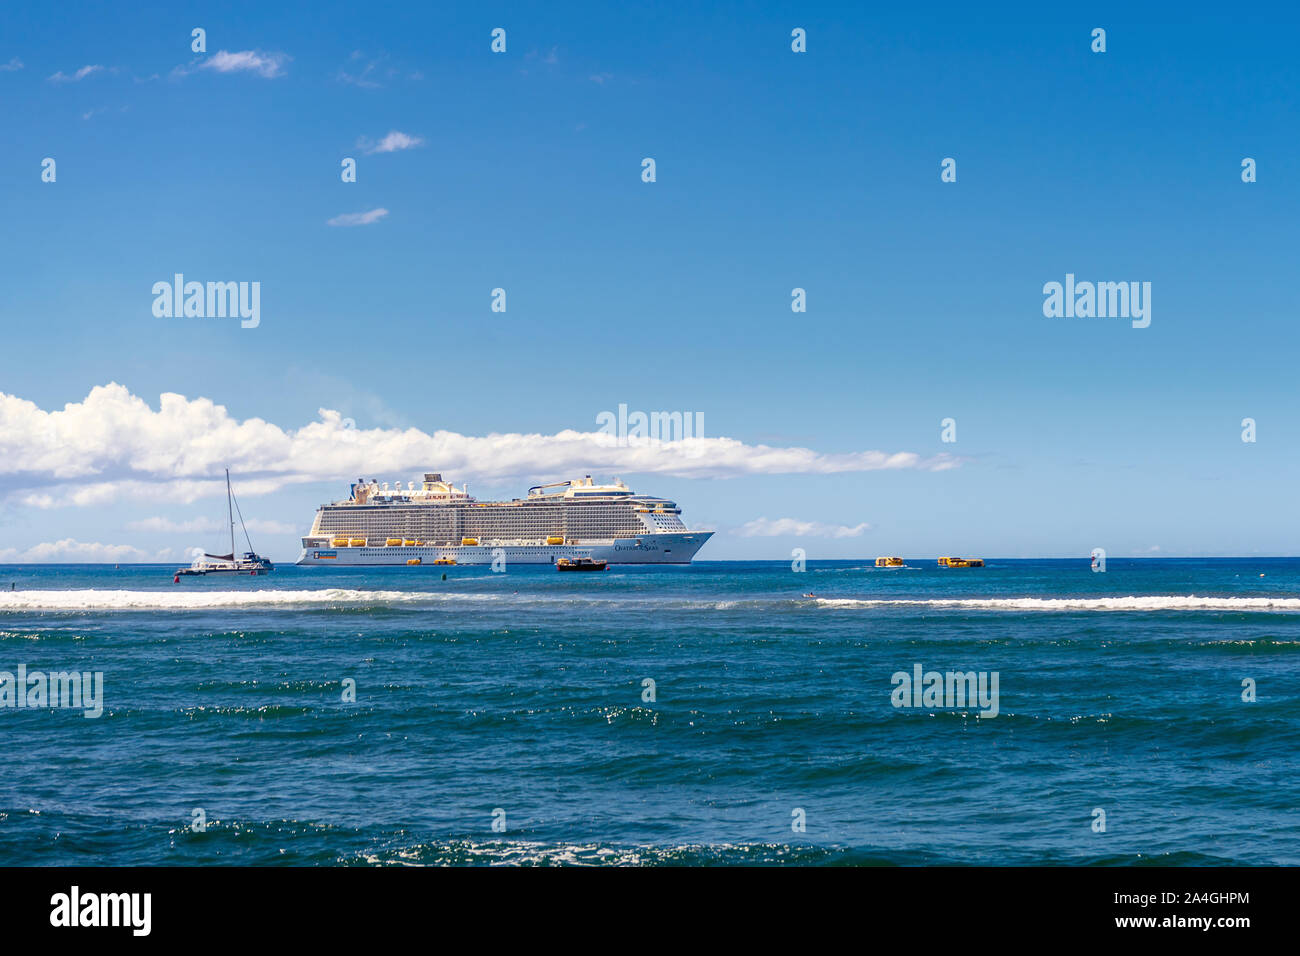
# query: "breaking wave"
{"points": [[1155, 602], [92, 599]]}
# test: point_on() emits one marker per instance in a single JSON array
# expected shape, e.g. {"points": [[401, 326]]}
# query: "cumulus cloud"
{"points": [[81, 74], [266, 65], [71, 551], [13, 65], [391, 143], [358, 218], [781, 527], [113, 446]]}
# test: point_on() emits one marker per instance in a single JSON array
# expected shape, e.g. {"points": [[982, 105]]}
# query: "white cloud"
{"points": [[71, 551], [168, 526], [210, 526], [106, 492], [267, 65], [782, 527], [265, 526], [113, 446], [81, 74], [391, 143], [13, 65], [358, 218]]}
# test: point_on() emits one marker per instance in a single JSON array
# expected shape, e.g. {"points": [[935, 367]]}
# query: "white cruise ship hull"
{"points": [[673, 548]]}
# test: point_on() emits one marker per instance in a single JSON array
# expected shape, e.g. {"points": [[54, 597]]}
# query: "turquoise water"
{"points": [[522, 692]]}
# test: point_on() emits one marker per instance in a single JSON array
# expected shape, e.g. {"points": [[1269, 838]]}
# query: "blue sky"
{"points": [[775, 170]]}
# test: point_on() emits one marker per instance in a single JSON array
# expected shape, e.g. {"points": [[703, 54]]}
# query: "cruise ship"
{"points": [[438, 523]]}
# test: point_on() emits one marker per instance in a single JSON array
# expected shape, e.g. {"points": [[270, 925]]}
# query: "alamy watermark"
{"points": [[954, 690], [213, 300], [129, 910], [653, 428], [1102, 300], [69, 690]]}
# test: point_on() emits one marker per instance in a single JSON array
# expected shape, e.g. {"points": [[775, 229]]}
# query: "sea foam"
{"points": [[1154, 602]]}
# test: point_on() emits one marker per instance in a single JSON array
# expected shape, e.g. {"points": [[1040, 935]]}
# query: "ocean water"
{"points": [[517, 699]]}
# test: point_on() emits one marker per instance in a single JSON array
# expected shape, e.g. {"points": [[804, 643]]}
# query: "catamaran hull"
{"points": [[677, 548], [190, 572]]}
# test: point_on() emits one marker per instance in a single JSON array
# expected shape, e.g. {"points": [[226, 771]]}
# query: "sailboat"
{"points": [[248, 563]]}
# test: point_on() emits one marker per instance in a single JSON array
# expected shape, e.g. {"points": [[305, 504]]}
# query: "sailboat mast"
{"points": [[230, 513]]}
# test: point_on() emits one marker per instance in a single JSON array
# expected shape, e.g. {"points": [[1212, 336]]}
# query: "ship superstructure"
{"points": [[437, 521]]}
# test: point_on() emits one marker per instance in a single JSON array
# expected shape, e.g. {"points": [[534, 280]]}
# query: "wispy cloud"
{"points": [[263, 64], [372, 72], [96, 112], [792, 527], [358, 218], [88, 70], [12, 66], [550, 57], [392, 143], [364, 75], [113, 446]]}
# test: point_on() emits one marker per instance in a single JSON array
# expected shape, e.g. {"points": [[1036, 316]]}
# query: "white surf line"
{"points": [[1132, 603]]}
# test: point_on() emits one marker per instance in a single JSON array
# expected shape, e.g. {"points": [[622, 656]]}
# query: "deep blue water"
{"points": [[523, 691]]}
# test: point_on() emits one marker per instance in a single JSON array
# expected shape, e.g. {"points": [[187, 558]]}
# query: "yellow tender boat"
{"points": [[468, 542], [889, 562], [961, 562]]}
